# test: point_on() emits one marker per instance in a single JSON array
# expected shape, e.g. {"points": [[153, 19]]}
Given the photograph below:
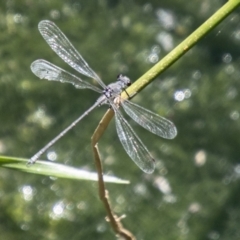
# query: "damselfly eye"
{"points": [[119, 76]]}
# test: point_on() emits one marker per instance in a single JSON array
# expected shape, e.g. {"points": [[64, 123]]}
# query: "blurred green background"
{"points": [[194, 192]]}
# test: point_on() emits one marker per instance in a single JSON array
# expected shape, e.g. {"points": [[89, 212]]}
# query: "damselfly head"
{"points": [[124, 79]]}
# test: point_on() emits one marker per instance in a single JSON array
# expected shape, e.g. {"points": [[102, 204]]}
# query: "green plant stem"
{"points": [[182, 48]]}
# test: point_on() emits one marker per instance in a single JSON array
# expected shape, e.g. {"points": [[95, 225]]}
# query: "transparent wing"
{"points": [[132, 144], [46, 70], [150, 121], [65, 50]]}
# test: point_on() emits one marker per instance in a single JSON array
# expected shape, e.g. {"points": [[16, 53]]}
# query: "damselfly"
{"points": [[110, 95]]}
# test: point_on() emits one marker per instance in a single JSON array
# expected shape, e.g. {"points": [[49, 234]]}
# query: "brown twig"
{"points": [[114, 220]]}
